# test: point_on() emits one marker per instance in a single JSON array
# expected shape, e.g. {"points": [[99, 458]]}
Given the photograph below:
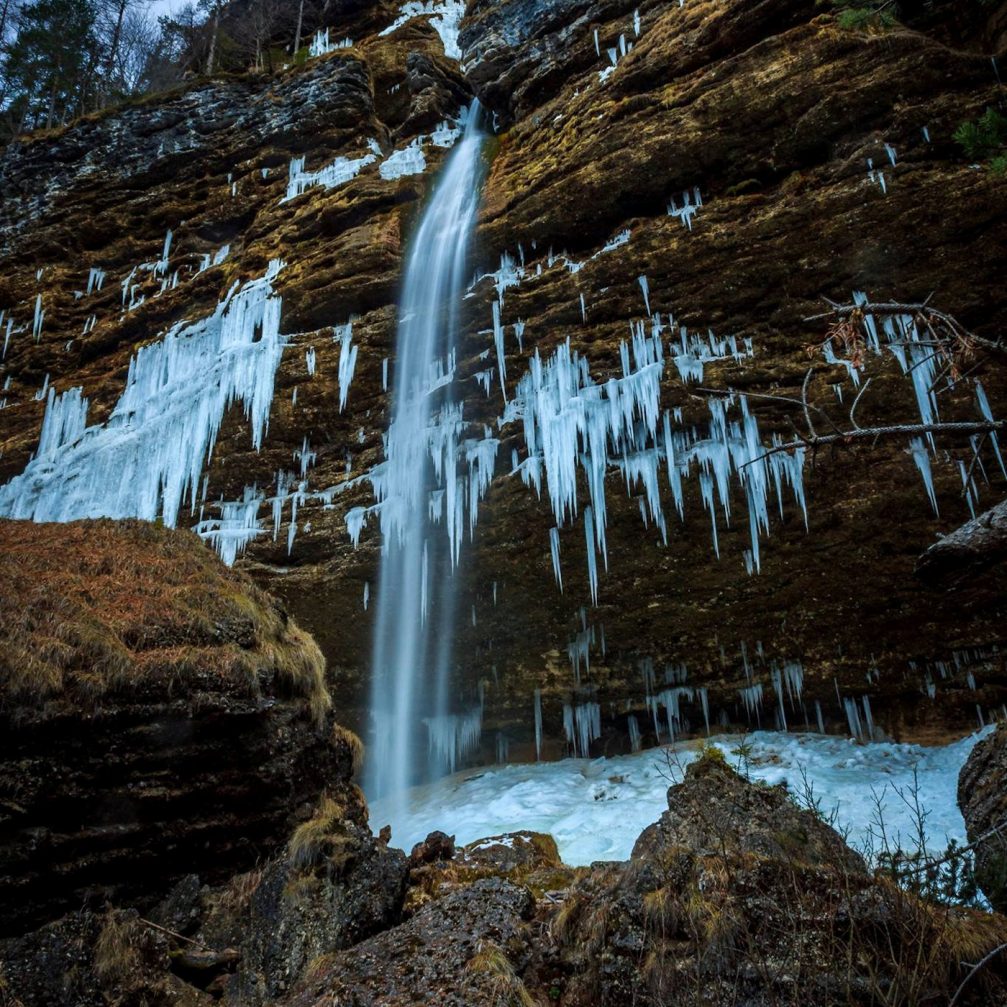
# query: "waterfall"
{"points": [[415, 600]]}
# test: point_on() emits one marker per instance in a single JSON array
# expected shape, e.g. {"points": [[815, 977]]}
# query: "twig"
{"points": [[899, 430], [985, 960], [177, 936], [959, 851], [856, 402], [894, 308], [976, 450], [804, 402], [771, 397]]}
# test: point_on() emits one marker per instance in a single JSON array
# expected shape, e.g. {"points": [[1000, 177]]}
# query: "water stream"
{"points": [[415, 600]]}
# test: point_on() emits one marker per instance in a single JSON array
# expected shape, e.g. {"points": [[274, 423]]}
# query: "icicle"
{"points": [[592, 561], [36, 328], [538, 725], [922, 458], [635, 741], [645, 287], [554, 549], [984, 408], [347, 360], [498, 340]]}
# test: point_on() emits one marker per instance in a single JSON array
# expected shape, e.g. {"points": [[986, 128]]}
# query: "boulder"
{"points": [[982, 797], [465, 949], [161, 717], [739, 896]]}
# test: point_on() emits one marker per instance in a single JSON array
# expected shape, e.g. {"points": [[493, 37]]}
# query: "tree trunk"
{"points": [[113, 51], [979, 544], [213, 40], [300, 24], [52, 105]]}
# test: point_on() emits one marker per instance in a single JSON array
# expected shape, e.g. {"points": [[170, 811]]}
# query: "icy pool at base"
{"points": [[596, 808]]}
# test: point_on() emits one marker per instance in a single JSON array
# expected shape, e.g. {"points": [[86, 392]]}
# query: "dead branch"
{"points": [[923, 310], [982, 963], [897, 430]]}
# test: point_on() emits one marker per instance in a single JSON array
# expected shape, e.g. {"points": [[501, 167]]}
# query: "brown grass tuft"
{"points": [[92, 608], [323, 839], [115, 951], [341, 735]]}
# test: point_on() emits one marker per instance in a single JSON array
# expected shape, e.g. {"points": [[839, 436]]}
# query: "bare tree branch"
{"points": [[897, 430], [923, 310]]}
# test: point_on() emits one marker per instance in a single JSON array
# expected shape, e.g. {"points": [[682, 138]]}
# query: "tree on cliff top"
{"points": [[51, 63]]}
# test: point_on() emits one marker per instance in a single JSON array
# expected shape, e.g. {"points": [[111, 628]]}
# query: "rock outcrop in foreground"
{"points": [[735, 896], [159, 713], [982, 796]]}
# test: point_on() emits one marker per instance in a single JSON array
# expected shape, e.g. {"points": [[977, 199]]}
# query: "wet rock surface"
{"points": [[982, 796]]}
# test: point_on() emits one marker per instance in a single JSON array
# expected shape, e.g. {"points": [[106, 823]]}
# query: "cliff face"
{"points": [[771, 112], [160, 716]]}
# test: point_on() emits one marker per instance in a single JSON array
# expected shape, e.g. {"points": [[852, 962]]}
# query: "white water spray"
{"points": [[411, 650]]}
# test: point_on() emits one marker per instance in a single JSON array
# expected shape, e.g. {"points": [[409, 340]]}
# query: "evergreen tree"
{"points": [[51, 66]]}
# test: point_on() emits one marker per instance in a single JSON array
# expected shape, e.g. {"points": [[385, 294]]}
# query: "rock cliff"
{"points": [[824, 162], [160, 715]]}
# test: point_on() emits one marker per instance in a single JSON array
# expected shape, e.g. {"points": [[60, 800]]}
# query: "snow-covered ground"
{"points": [[595, 808]]}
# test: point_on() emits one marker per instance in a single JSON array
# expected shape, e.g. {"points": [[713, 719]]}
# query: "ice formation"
{"points": [[445, 17], [320, 45], [900, 336], [453, 736], [410, 160], [571, 423], [691, 202], [343, 334], [581, 725], [148, 457], [596, 809], [339, 172]]}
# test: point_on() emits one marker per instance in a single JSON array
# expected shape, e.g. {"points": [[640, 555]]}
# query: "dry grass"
{"points": [[341, 735], [323, 839], [115, 951], [490, 962], [91, 608], [236, 896]]}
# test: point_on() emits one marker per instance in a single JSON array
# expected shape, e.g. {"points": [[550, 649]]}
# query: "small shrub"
{"points": [[854, 15], [984, 137]]}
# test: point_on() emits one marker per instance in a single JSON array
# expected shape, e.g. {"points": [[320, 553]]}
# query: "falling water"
{"points": [[415, 603]]}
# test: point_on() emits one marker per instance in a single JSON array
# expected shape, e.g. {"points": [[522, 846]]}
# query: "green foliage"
{"points": [[51, 62], [985, 137], [859, 15], [949, 878]]}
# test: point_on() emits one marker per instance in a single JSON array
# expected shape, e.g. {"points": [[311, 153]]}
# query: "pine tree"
{"points": [[51, 66]]}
